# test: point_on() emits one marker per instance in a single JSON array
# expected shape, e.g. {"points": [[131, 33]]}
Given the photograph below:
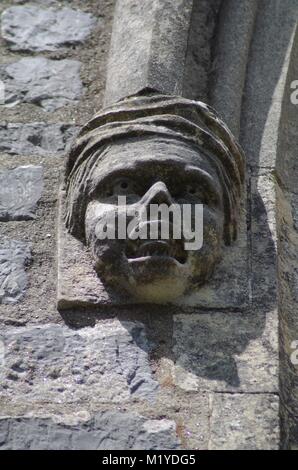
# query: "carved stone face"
{"points": [[155, 171]]}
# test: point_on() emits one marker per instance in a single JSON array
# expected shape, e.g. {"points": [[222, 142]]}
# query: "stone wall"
{"points": [[145, 376]]}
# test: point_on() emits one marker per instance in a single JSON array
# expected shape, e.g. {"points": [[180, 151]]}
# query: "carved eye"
{"points": [[122, 186], [198, 192], [193, 190]]}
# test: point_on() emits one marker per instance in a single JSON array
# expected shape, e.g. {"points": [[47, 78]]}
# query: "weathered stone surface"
{"points": [[107, 430], [230, 57], [54, 363], [263, 233], [229, 286], [14, 255], [226, 351], [50, 84], [198, 62], [20, 190], [244, 422], [288, 298], [36, 138], [35, 29], [148, 47]]}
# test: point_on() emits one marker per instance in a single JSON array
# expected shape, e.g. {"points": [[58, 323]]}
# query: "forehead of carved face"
{"points": [[156, 171], [142, 163]]}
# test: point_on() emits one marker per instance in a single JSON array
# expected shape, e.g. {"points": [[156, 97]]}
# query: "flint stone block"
{"points": [[47, 83], [244, 422], [107, 430], [14, 256], [20, 190], [52, 363], [30, 28], [36, 138]]}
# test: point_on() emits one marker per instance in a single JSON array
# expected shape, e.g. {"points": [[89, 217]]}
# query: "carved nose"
{"points": [[158, 194]]}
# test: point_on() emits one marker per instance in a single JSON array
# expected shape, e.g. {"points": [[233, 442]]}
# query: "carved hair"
{"points": [[155, 115]]}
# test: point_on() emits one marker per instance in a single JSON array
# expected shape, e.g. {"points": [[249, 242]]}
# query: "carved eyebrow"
{"points": [[106, 178], [205, 177], [133, 171]]}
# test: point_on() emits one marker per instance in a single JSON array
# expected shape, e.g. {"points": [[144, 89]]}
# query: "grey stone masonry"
{"points": [[31, 28], [244, 422], [14, 255], [52, 363], [20, 190], [107, 430], [36, 138], [50, 84]]}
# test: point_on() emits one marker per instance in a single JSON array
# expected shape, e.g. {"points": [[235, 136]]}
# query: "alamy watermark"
{"points": [[158, 221], [294, 94], [294, 355], [2, 93], [2, 354]]}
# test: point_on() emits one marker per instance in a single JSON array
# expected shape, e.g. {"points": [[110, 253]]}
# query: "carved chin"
{"points": [[150, 271], [154, 271], [157, 279]]}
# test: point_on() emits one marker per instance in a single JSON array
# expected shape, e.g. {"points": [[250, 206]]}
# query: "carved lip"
{"points": [[158, 249]]}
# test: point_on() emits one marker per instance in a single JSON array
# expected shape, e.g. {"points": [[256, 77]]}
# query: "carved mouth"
{"points": [[156, 248]]}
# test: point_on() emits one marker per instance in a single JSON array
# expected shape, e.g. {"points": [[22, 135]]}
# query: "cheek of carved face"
{"points": [[164, 266]]}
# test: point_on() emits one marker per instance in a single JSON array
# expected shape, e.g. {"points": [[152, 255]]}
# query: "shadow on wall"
{"points": [[209, 344]]}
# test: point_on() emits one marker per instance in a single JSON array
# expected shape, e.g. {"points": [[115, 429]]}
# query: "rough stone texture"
{"points": [[43, 82], [226, 352], [108, 363], [36, 138], [14, 256], [31, 28], [39, 304], [148, 47], [107, 430], [20, 190], [230, 57], [244, 422]]}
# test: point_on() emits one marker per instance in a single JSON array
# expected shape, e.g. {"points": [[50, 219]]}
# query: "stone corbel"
{"points": [[152, 146]]}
